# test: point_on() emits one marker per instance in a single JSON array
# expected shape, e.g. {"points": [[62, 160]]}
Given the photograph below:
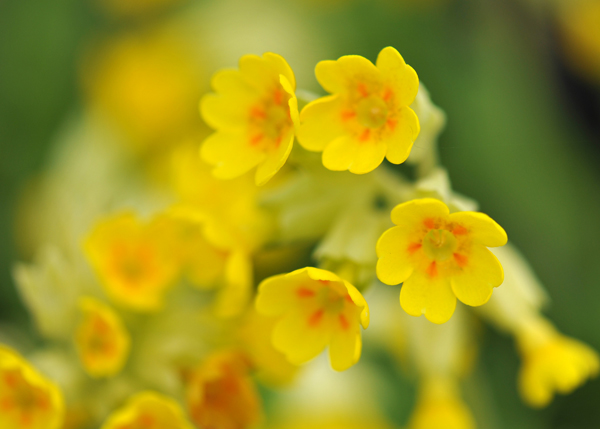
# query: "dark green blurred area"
{"points": [[513, 142]]}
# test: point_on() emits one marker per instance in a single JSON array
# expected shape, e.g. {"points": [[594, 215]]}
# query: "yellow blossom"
{"points": [[101, 339], [439, 406], [316, 309], [134, 260], [439, 257], [148, 410], [221, 395], [147, 84], [254, 111], [367, 116], [552, 363], [27, 399]]}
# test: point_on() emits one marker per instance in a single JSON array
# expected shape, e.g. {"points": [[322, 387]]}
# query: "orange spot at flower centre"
{"points": [[413, 247], [432, 270], [344, 322], [365, 135], [305, 292], [459, 230], [461, 260], [315, 318], [429, 223]]}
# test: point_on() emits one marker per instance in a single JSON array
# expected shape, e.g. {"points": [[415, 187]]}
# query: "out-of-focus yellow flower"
{"points": [[254, 111], [221, 395], [552, 363], [439, 406], [147, 84], [27, 399], [347, 421], [148, 410], [439, 257], [135, 261], [101, 339], [316, 309], [367, 117], [269, 364], [579, 21]]}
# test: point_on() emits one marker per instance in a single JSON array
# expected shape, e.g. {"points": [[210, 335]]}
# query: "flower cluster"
{"points": [[191, 296]]}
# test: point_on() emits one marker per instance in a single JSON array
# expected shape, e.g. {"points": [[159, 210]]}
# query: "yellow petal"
{"points": [[292, 102], [297, 339], [414, 212], [320, 123], [230, 154], [400, 141], [340, 153], [275, 295], [433, 297], [403, 78], [275, 159], [281, 67], [481, 228], [360, 302], [341, 75], [394, 265], [258, 72], [369, 156], [481, 274], [345, 349], [228, 112]]}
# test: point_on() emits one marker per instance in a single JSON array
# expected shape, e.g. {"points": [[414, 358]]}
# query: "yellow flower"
{"points": [[148, 410], [439, 406], [135, 261], [147, 85], [254, 112], [221, 395], [316, 309], [367, 117], [101, 339], [27, 399], [552, 363], [439, 257]]}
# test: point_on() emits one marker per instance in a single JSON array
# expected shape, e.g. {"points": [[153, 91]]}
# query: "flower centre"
{"points": [[439, 244], [330, 300], [372, 112], [276, 121]]}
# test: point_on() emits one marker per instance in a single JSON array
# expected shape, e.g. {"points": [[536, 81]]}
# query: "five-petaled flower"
{"points": [[367, 116], [254, 111], [27, 399], [101, 339], [148, 410], [316, 309], [134, 260], [439, 257]]}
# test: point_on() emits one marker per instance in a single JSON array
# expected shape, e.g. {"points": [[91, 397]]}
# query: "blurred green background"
{"points": [[522, 139]]}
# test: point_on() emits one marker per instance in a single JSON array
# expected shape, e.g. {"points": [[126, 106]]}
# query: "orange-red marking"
{"points": [[258, 112], [254, 140], [344, 322], [315, 318], [392, 123], [413, 247], [348, 114], [459, 230], [365, 135], [387, 95], [461, 260], [278, 96], [362, 88], [304, 292], [429, 223], [432, 270]]}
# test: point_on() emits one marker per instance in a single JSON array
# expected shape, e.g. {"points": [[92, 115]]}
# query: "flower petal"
{"points": [[320, 123], [413, 212], [345, 73], [481, 274], [345, 349], [394, 265], [420, 294], [340, 153], [400, 141], [281, 67], [403, 78], [230, 154], [275, 295], [275, 159], [369, 156], [481, 228], [297, 339]]}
